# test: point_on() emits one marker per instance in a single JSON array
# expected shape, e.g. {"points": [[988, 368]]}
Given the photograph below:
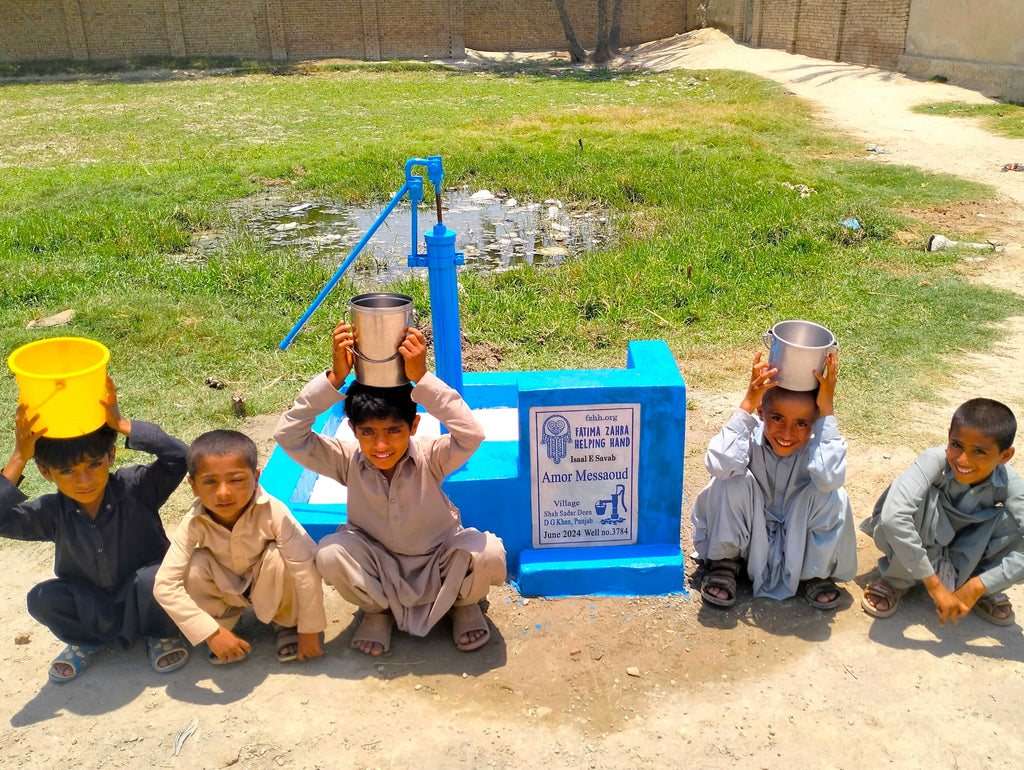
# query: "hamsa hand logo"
{"points": [[555, 435]]}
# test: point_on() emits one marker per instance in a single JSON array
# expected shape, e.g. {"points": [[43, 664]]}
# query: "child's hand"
{"points": [[309, 646], [827, 385], [970, 592], [342, 355], [25, 437], [114, 418], [226, 646], [760, 381], [947, 605], [414, 351]]}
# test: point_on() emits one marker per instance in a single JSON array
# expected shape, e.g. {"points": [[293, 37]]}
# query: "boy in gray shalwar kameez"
{"points": [[776, 497], [954, 521]]}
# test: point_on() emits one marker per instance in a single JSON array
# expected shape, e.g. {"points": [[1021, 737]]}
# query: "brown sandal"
{"points": [[881, 588], [987, 604]]}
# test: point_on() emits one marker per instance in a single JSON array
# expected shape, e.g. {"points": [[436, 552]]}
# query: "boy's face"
{"points": [[972, 455], [385, 441], [83, 482], [787, 422], [224, 485]]}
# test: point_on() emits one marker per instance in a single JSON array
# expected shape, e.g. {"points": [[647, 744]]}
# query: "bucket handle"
{"points": [[768, 338], [413, 317]]}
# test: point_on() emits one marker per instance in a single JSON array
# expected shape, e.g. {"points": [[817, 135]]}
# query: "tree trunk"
{"points": [[576, 52], [613, 32], [601, 53]]}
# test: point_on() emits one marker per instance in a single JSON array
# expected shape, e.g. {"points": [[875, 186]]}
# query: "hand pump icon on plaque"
{"points": [[618, 498]]}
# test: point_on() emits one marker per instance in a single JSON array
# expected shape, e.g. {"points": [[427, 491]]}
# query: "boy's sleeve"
{"points": [[299, 553], [465, 434], [158, 480], [900, 512], [728, 452], [827, 461], [1010, 571], [294, 432], [169, 588], [24, 519]]}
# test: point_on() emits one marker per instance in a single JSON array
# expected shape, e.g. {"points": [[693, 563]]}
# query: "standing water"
{"points": [[495, 234]]}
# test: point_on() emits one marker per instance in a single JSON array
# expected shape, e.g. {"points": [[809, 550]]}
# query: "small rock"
{"points": [[511, 203], [60, 319], [465, 675], [23, 638], [286, 226], [304, 701], [525, 602], [213, 382], [301, 208], [575, 651], [482, 195], [418, 687], [633, 671]]}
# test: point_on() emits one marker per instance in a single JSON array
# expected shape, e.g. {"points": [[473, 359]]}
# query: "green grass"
{"points": [[1007, 119], [102, 182]]}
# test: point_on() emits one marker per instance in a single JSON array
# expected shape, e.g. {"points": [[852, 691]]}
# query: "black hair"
{"points": [[217, 443], [773, 394], [993, 418], [363, 402], [64, 452]]}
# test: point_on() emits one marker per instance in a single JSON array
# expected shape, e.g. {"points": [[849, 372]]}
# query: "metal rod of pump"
{"points": [[341, 270]]}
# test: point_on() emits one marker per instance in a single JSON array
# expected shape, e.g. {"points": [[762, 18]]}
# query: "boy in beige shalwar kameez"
{"points": [[403, 556], [239, 547]]}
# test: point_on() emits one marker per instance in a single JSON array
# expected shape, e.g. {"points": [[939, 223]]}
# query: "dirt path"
{"points": [[766, 684]]}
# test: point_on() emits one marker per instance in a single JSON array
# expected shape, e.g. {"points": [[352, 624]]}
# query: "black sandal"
{"points": [[815, 587], [721, 574]]}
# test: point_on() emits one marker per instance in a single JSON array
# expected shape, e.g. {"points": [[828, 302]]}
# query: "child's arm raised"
{"points": [[728, 452], [827, 460], [160, 478], [25, 437], [465, 433], [294, 432]]}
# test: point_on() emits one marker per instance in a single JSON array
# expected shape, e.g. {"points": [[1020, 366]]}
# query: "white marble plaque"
{"points": [[583, 474]]}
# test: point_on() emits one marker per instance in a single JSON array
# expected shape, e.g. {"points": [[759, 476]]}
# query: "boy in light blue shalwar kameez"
{"points": [[776, 497]]}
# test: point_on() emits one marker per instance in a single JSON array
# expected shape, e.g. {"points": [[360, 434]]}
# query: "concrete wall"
{"points": [[976, 43], [298, 29]]}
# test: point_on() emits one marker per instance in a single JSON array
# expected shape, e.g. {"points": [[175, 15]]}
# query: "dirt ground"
{"points": [[765, 684]]}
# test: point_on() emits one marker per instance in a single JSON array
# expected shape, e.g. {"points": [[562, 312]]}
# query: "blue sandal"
{"points": [[78, 656], [158, 647]]}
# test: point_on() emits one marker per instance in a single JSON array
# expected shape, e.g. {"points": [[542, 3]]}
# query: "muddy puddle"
{"points": [[495, 233]]}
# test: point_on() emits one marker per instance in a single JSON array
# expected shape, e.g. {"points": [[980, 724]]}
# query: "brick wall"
{"points": [[858, 31], [518, 25], [297, 29]]}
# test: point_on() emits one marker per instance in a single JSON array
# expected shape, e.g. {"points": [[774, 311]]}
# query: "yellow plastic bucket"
{"points": [[63, 380]]}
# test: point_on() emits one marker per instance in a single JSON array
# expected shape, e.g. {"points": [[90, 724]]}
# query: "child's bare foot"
{"points": [[374, 634], [469, 627]]}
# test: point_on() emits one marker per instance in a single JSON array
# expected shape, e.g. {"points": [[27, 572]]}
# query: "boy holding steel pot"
{"points": [[403, 556], [775, 504]]}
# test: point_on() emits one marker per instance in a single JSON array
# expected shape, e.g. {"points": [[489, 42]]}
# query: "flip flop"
{"points": [[466, 618], [882, 589], [78, 656], [287, 637], [376, 628], [986, 605], [720, 573], [157, 647], [811, 589]]}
